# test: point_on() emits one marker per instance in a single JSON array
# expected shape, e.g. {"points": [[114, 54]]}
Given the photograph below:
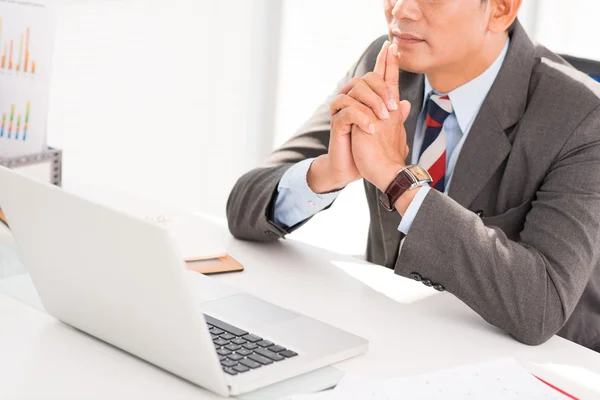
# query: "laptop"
{"points": [[122, 280]]}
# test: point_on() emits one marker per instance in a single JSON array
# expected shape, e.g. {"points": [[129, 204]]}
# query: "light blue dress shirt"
{"points": [[296, 202]]}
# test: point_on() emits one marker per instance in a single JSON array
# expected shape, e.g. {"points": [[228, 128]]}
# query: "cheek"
{"points": [[455, 38]]}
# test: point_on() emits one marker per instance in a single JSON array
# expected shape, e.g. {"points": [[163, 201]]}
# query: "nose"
{"points": [[406, 9]]}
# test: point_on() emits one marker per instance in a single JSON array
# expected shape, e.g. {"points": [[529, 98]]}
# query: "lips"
{"points": [[405, 37]]}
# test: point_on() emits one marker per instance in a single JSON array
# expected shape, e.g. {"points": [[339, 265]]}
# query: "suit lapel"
{"points": [[483, 152], [487, 144], [411, 89]]}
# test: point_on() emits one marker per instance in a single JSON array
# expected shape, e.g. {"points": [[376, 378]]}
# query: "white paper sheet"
{"points": [[493, 380]]}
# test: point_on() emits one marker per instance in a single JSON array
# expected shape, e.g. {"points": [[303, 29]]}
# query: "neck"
{"points": [[448, 78]]}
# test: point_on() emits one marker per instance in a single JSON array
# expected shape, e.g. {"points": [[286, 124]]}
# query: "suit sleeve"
{"points": [[250, 207], [529, 287]]}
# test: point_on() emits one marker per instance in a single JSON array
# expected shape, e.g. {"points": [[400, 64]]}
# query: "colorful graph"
{"points": [[23, 63], [9, 129]]}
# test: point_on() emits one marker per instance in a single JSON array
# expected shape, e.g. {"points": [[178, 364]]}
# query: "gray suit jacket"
{"points": [[530, 165]]}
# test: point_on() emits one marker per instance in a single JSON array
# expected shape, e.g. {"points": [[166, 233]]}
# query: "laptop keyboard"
{"points": [[240, 351]]}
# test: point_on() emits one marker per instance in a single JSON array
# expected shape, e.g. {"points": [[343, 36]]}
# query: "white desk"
{"points": [[412, 329]]}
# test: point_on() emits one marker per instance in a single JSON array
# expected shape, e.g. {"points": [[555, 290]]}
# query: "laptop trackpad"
{"points": [[245, 311]]}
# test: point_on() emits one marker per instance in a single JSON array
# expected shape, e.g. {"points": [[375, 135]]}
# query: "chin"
{"points": [[413, 65]]}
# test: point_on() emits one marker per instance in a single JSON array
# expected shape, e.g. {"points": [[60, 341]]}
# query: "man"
{"points": [[510, 135]]}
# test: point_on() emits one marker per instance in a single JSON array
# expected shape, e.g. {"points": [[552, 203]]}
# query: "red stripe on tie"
{"points": [[432, 123], [445, 98], [438, 169]]}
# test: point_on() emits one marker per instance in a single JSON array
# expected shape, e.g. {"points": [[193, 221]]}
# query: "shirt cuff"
{"points": [[414, 207], [296, 201]]}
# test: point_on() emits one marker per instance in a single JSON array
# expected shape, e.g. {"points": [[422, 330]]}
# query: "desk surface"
{"points": [[411, 328]]}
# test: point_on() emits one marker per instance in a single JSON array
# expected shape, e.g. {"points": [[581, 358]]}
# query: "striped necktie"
{"points": [[433, 151]]}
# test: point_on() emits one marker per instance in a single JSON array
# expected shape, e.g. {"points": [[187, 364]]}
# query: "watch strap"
{"points": [[404, 180]]}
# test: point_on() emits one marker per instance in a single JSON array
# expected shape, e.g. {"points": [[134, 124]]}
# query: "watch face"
{"points": [[420, 173]]}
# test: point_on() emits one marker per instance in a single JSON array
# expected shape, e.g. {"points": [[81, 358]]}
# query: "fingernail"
{"points": [[371, 129], [392, 105], [385, 113], [394, 50]]}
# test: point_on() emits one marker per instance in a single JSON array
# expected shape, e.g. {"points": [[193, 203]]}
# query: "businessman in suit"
{"points": [[507, 215]]}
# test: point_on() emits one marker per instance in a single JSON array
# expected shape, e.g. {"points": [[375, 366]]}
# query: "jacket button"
{"points": [[439, 288], [427, 282], [416, 277]]}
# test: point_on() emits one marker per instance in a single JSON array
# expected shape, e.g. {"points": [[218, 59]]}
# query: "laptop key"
{"points": [[265, 343], [235, 357], [221, 342], [288, 353], [217, 347], [227, 336], [241, 368], [221, 358], [230, 371], [223, 352], [239, 341], [229, 363], [243, 352], [260, 359], [249, 346], [250, 363], [225, 326], [233, 347], [276, 348], [269, 354], [252, 338], [215, 331]]}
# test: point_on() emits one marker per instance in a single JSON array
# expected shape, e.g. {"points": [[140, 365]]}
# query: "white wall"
{"points": [[320, 41], [160, 98], [568, 26]]}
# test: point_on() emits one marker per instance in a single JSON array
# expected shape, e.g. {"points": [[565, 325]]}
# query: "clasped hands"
{"points": [[368, 139]]}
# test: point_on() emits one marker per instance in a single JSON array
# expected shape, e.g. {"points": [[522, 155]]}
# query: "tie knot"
{"points": [[438, 109]]}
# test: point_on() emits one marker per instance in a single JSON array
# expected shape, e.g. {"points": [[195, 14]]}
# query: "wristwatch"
{"points": [[409, 177]]}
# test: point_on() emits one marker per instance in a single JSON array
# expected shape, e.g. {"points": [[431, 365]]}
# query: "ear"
{"points": [[504, 13]]}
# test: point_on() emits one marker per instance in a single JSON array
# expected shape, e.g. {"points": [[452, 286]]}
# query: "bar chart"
{"points": [[26, 49], [17, 59], [10, 129]]}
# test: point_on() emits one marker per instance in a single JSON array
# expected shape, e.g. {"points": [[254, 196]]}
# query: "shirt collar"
{"points": [[468, 98]]}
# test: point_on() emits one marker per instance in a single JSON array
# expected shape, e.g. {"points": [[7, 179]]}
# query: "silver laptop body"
{"points": [[121, 279]]}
